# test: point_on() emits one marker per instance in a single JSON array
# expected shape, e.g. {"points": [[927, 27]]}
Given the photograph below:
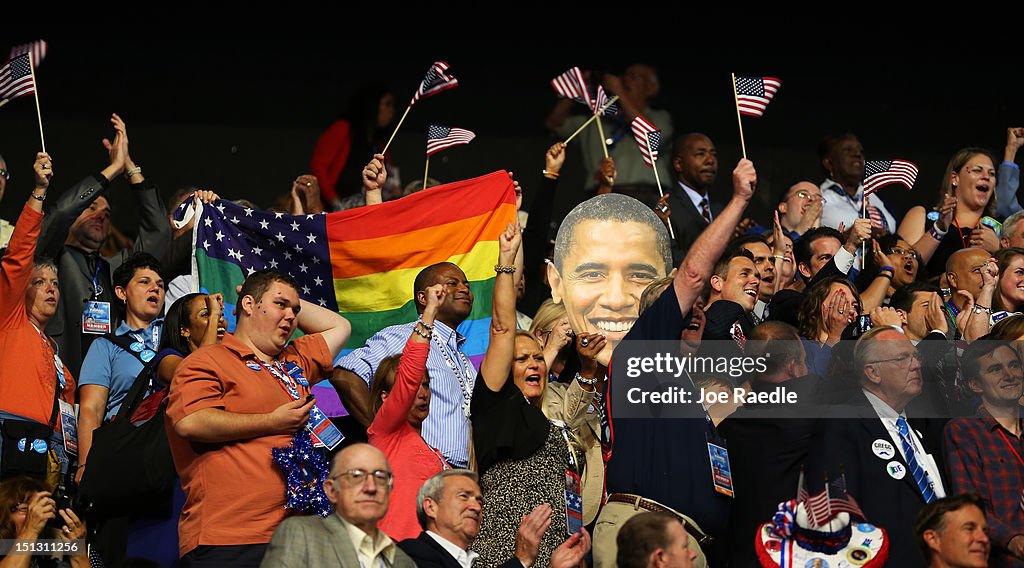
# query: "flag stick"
{"points": [[657, 179], [35, 91], [397, 126], [596, 114], [736, 98], [426, 169], [864, 214], [604, 145], [5, 101]]}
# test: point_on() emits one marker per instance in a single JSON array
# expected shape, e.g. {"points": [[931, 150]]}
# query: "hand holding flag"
{"points": [[438, 79], [752, 95], [648, 138]]}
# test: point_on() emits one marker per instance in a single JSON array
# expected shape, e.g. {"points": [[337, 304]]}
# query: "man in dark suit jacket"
{"points": [[696, 166], [359, 487], [890, 469], [449, 506], [768, 442]]}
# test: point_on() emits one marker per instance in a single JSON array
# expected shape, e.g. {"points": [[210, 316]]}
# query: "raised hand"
{"points": [[883, 315], [935, 316], [375, 174], [570, 553], [308, 187], [946, 212], [744, 180], [43, 170], [588, 345], [508, 244], [554, 158], [531, 530], [434, 297], [859, 232]]}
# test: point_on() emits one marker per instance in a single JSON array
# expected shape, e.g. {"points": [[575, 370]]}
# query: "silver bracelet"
{"points": [[136, 170], [585, 380]]}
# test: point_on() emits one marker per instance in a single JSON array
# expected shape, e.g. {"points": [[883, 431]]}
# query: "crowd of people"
{"points": [[897, 333]]}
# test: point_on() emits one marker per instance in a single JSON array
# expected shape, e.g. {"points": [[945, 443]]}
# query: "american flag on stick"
{"points": [[602, 100], [16, 78], [880, 173], [438, 79], [648, 137], [441, 137], [754, 93], [571, 85], [38, 49]]}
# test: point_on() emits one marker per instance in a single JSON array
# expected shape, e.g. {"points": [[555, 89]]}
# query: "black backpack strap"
{"points": [[138, 390]]}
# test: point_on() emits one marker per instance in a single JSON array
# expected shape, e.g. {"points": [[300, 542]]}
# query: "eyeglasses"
{"points": [[804, 194], [356, 477], [903, 360], [23, 508], [5, 174], [977, 170], [901, 251]]}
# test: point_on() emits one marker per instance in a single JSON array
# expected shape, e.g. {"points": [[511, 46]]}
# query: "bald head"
{"points": [[696, 161], [963, 269]]}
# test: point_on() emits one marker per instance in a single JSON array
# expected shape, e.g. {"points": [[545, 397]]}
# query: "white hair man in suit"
{"points": [[450, 505], [359, 487]]}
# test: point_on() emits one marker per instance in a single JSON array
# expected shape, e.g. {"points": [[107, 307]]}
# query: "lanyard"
{"points": [[286, 381], [960, 232], [57, 363], [96, 288], [1012, 449], [459, 368]]}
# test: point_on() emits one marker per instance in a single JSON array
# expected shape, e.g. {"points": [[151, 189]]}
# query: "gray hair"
{"points": [[866, 349], [1011, 221], [434, 487], [611, 207], [40, 262]]}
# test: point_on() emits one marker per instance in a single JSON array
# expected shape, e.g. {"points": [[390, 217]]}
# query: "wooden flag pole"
{"points": [[397, 126], [426, 169], [35, 91], [604, 144], [864, 214], [736, 99], [657, 179], [591, 119]]}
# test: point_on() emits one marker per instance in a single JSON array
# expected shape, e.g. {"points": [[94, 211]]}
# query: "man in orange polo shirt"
{"points": [[231, 404]]}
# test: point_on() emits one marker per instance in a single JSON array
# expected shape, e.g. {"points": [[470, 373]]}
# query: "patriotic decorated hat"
{"points": [[827, 530]]}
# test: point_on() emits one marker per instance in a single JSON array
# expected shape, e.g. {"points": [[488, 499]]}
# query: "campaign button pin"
{"points": [[896, 470], [883, 449], [39, 446], [137, 346], [253, 365]]}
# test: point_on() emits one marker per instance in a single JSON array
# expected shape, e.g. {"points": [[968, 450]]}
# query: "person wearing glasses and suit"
{"points": [[359, 488]]}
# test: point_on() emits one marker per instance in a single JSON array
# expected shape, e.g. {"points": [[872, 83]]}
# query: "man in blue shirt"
{"points": [[452, 375], [663, 464]]}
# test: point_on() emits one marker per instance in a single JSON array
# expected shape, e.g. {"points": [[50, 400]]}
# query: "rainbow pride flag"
{"points": [[362, 262]]}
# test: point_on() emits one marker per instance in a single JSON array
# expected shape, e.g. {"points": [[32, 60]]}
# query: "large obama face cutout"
{"points": [[605, 267]]}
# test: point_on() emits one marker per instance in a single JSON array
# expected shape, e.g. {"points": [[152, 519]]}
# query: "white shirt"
{"points": [[177, 288], [888, 416], [839, 207], [372, 552], [465, 558], [696, 198]]}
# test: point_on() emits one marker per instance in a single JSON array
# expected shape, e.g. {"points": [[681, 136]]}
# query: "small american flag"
{"points": [[843, 502], [571, 85], [441, 137], [438, 79], [880, 173], [602, 99], [16, 78], [754, 93], [38, 49], [648, 137]]}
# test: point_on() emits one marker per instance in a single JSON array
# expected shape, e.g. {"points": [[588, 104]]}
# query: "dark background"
{"points": [[241, 116]]}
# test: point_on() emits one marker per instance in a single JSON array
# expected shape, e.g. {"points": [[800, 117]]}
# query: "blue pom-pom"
{"points": [[933, 215]]}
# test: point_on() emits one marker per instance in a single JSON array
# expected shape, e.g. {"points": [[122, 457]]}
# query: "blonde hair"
{"points": [[548, 315]]}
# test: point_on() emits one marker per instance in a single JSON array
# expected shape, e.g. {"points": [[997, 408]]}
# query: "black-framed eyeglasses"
{"points": [[901, 251], [5, 174], [902, 361], [356, 477]]}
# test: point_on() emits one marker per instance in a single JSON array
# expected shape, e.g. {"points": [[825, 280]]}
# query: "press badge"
{"points": [[721, 473], [96, 317], [69, 427], [323, 431]]}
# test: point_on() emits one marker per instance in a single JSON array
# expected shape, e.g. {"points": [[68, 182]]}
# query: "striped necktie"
{"points": [[919, 473], [705, 211]]}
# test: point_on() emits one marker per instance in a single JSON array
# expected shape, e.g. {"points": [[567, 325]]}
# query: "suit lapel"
{"points": [[877, 431], [449, 560], [340, 541]]}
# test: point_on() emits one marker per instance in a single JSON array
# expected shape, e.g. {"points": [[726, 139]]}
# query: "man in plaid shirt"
{"points": [[985, 451]]}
